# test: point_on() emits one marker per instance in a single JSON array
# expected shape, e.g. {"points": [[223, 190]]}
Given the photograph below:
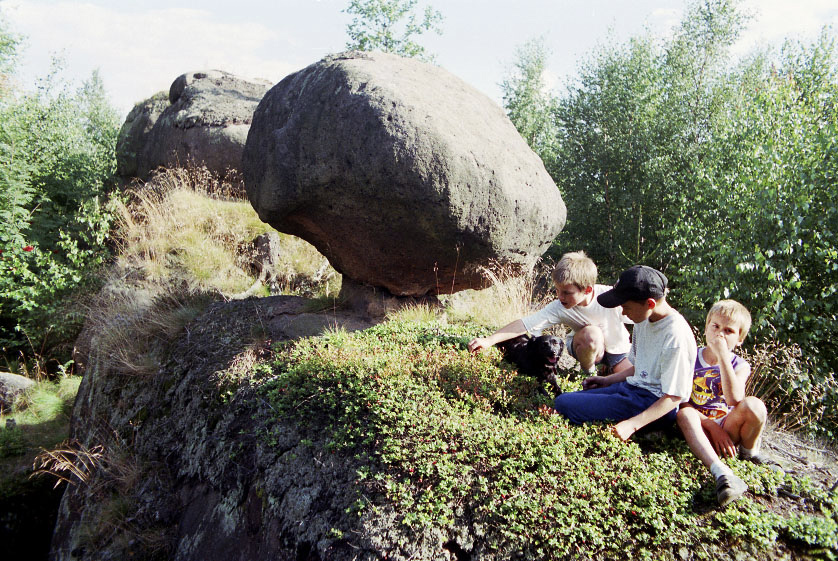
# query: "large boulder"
{"points": [[401, 174], [204, 122]]}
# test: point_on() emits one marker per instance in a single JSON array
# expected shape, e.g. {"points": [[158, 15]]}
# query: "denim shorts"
{"points": [[616, 402], [607, 358]]}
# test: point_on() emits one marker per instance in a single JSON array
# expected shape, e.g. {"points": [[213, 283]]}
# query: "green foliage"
{"points": [[56, 164], [12, 442], [9, 44], [528, 103], [390, 26], [773, 244], [449, 437], [813, 531], [631, 131], [750, 522]]}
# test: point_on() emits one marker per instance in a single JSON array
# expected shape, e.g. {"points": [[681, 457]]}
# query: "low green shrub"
{"points": [[451, 437]]}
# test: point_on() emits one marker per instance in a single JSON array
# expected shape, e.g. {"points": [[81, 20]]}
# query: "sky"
{"points": [[140, 47]]}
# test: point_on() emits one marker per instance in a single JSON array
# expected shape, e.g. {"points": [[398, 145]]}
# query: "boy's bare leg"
{"points": [[689, 421], [729, 487], [746, 422], [589, 346]]}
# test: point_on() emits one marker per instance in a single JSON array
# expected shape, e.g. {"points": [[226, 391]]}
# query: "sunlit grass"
{"points": [[184, 236], [175, 232], [41, 418]]}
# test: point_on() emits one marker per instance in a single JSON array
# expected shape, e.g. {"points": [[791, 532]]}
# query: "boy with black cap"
{"points": [[662, 354]]}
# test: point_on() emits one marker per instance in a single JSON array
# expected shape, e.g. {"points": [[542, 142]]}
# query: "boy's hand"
{"points": [[718, 345], [592, 382], [623, 430], [720, 439], [478, 344]]}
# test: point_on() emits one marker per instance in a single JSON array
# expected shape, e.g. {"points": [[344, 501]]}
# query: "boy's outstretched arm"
{"points": [[625, 429], [592, 382], [505, 333]]}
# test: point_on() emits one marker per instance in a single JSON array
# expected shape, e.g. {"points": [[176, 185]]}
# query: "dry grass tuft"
{"points": [[180, 235], [420, 312], [784, 378], [510, 295], [111, 476], [183, 241], [176, 230], [72, 464], [127, 325]]}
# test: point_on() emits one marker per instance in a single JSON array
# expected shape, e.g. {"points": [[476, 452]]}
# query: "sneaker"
{"points": [[729, 488], [762, 460]]}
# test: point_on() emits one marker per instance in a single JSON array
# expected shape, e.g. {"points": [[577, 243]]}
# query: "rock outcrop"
{"points": [[190, 464], [402, 175], [204, 121]]}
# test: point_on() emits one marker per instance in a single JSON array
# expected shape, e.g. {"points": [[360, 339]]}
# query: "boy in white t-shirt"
{"points": [[662, 355], [598, 335]]}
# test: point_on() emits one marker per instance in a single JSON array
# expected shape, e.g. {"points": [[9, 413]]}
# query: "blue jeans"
{"points": [[616, 402]]}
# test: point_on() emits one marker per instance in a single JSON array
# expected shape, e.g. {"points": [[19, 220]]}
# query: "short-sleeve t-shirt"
{"points": [[663, 354], [609, 320], [707, 395]]}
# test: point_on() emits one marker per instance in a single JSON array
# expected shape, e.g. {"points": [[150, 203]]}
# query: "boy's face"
{"points": [[571, 295], [637, 312], [720, 327]]}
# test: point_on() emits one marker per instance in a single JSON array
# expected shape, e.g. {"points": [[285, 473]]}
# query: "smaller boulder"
{"points": [[12, 385], [133, 136], [204, 121]]}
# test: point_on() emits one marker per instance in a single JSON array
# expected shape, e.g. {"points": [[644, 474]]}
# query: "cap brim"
{"points": [[611, 299]]}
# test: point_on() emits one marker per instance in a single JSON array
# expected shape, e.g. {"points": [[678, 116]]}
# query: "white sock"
{"points": [[719, 468], [748, 452]]}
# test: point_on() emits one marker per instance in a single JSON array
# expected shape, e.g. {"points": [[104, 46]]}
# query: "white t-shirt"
{"points": [[609, 320], [663, 354]]}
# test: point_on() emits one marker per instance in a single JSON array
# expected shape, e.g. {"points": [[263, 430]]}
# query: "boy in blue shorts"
{"points": [[662, 355], [719, 416]]}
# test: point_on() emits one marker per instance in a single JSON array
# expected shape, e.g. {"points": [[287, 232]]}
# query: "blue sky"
{"points": [[139, 47]]}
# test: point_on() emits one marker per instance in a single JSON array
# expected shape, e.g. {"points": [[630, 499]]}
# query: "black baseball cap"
{"points": [[637, 284]]}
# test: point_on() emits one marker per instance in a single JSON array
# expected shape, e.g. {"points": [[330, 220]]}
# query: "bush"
{"points": [[56, 167]]}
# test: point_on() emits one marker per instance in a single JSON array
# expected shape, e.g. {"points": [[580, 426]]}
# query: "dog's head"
{"points": [[548, 348]]}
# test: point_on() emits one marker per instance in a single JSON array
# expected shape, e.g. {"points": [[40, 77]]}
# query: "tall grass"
{"points": [[509, 295], [182, 242], [182, 236], [177, 230], [784, 378]]}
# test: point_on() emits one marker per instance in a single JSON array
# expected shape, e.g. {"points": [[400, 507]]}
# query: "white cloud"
{"points": [[776, 20], [141, 52]]}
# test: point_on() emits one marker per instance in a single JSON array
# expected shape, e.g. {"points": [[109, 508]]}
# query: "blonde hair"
{"points": [[575, 268], [733, 311]]}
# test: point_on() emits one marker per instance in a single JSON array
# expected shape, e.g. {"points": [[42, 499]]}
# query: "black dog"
{"points": [[535, 356]]}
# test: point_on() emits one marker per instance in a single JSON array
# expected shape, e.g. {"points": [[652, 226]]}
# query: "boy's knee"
{"points": [[559, 403], [687, 416], [589, 338], [754, 409], [564, 405]]}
